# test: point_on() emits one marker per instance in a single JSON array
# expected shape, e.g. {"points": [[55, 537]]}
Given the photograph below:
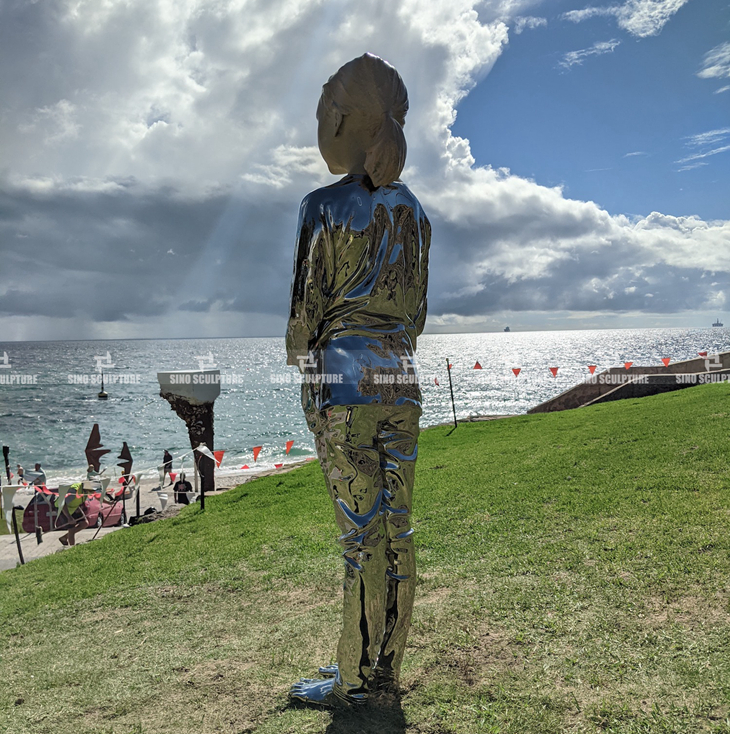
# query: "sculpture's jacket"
{"points": [[358, 299]]}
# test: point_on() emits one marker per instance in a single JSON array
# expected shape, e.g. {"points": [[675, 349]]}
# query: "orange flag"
{"points": [[517, 371], [289, 444], [666, 361], [554, 370], [218, 457], [591, 368], [477, 366], [627, 365], [256, 452]]}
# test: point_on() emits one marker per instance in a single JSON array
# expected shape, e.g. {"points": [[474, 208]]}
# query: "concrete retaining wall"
{"points": [[592, 391]]}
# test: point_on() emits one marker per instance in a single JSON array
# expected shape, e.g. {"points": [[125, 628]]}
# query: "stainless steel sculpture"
{"points": [[358, 303]]}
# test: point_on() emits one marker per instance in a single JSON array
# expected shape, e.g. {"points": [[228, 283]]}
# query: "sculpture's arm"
{"points": [[425, 231], [305, 300]]}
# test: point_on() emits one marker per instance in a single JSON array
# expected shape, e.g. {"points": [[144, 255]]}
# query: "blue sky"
{"points": [[572, 159], [577, 127]]}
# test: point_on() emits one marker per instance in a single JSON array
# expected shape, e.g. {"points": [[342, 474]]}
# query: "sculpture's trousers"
{"points": [[368, 456]]}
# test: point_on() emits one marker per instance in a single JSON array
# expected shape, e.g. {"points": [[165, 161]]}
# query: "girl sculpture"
{"points": [[358, 303]]}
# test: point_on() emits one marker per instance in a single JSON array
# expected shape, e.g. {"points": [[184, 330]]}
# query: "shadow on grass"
{"points": [[382, 715]]}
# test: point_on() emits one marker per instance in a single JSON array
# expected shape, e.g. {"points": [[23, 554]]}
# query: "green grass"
{"points": [[573, 577]]}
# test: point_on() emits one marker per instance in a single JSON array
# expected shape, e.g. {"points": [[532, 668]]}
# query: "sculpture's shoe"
{"points": [[314, 692], [329, 671], [321, 693]]}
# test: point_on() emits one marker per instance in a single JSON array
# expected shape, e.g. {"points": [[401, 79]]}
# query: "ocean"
{"points": [[48, 390]]}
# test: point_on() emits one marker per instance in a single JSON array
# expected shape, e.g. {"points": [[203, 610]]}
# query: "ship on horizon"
{"points": [[718, 323]]}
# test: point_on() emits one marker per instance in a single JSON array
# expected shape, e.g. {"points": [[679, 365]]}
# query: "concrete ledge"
{"points": [[593, 390], [656, 384]]}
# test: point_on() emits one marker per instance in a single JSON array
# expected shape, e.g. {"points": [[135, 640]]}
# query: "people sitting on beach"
{"points": [[126, 488], [181, 489], [72, 517], [39, 476]]}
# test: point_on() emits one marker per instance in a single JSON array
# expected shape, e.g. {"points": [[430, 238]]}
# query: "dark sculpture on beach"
{"points": [[358, 304], [191, 395]]}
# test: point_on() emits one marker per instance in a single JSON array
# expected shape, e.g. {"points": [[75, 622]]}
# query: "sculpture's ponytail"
{"points": [[387, 155]]}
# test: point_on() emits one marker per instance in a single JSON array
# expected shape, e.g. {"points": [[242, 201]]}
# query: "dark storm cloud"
{"points": [[140, 252]]}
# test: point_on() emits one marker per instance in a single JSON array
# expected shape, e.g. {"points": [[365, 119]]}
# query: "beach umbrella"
{"points": [[94, 448]]}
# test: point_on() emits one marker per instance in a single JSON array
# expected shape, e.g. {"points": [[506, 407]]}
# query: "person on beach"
{"points": [[166, 466], [40, 478], [20, 471], [358, 304], [72, 517], [181, 489]]}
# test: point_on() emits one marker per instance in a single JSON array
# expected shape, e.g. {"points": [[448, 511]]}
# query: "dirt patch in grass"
{"points": [[688, 610], [433, 597], [489, 654]]}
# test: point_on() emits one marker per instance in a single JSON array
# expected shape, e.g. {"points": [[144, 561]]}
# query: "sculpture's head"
{"points": [[361, 114]]}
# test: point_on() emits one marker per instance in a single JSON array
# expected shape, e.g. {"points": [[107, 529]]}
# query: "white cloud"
{"points": [[528, 22], [708, 138], [578, 16], [635, 153], [706, 145], [705, 154], [597, 49], [644, 18], [721, 90], [640, 18], [692, 166], [716, 64], [55, 122]]}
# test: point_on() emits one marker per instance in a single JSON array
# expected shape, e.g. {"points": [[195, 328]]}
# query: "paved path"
{"points": [[148, 498], [51, 544], [33, 550]]}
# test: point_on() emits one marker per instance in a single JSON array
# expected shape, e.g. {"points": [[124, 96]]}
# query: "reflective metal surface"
{"points": [[358, 306], [359, 294]]}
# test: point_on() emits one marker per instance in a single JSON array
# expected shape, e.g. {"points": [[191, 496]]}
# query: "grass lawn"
{"points": [[573, 577]]}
